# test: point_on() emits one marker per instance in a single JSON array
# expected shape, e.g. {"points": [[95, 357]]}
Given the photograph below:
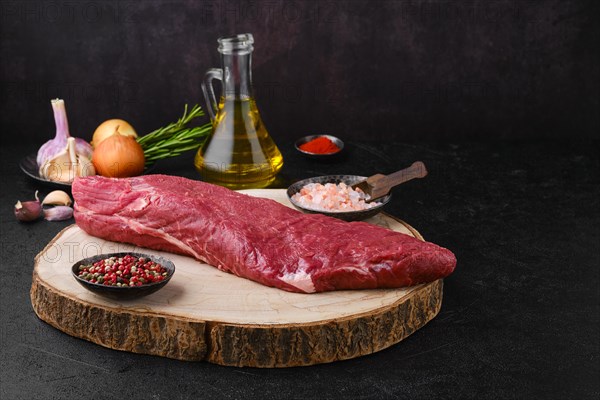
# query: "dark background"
{"points": [[379, 70], [520, 314]]}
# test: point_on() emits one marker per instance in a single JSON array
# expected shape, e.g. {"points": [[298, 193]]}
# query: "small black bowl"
{"points": [[343, 215], [338, 142], [124, 293]]}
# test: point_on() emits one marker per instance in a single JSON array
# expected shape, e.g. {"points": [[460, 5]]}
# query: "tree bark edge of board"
{"points": [[263, 346]]}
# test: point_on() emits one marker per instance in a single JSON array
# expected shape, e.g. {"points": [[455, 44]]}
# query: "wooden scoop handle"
{"points": [[380, 185], [416, 170]]}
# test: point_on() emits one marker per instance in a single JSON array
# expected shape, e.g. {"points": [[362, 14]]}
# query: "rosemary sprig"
{"points": [[175, 138]]}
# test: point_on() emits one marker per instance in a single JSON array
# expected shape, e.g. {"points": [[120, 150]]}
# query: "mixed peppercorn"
{"points": [[123, 271]]}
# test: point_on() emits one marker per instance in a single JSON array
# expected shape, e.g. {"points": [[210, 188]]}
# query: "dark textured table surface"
{"points": [[519, 317]]}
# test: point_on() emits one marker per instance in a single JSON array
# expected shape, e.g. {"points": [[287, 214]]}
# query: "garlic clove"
{"points": [[58, 168], [57, 198], [85, 167], [66, 165], [28, 211], [58, 213]]}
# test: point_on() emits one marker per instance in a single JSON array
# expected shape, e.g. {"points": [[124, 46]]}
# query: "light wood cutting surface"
{"points": [[203, 294]]}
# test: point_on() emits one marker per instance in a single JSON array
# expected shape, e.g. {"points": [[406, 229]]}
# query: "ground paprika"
{"points": [[320, 145]]}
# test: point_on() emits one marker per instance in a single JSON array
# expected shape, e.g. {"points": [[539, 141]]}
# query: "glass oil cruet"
{"points": [[239, 153]]}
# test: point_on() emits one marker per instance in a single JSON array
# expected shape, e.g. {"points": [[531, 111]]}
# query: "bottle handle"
{"points": [[209, 92]]}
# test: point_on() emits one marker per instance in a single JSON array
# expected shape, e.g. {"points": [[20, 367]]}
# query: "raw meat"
{"points": [[254, 238]]}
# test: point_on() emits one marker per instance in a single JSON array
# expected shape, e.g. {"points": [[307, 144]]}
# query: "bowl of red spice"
{"points": [[123, 276], [319, 146]]}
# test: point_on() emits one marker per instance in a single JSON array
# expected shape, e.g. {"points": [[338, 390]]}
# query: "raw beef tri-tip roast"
{"points": [[254, 238]]}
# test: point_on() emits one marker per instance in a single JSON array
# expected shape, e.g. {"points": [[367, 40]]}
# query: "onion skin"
{"points": [[119, 156], [107, 128]]}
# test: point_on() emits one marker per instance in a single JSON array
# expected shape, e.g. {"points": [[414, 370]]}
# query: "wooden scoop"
{"points": [[379, 185]]}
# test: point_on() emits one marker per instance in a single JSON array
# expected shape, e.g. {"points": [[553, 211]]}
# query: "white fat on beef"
{"points": [[139, 204], [299, 279]]}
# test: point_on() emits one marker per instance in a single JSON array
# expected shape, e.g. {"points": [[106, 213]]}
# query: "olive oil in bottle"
{"points": [[239, 153]]}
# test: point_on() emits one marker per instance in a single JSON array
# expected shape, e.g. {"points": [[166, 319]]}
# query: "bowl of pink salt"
{"points": [[333, 195]]}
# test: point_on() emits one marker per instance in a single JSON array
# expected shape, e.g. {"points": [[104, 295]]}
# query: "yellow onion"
{"points": [[108, 127], [118, 156]]}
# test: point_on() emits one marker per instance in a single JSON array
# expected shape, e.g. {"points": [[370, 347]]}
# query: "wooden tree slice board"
{"points": [[207, 314]]}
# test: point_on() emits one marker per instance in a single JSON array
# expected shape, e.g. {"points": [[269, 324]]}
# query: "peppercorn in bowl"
{"points": [[123, 276], [319, 146]]}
